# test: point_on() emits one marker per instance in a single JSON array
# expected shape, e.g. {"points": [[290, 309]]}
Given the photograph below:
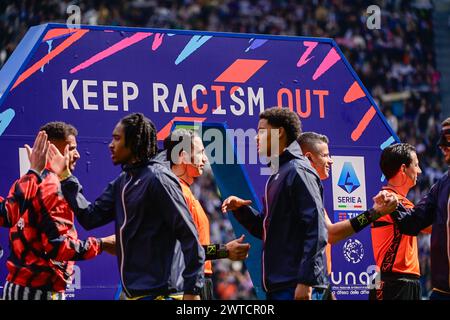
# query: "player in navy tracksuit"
{"points": [[433, 210], [149, 211], [292, 225]]}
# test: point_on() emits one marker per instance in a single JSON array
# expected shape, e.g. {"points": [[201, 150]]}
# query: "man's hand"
{"points": [[58, 162], [385, 202], [39, 154], [237, 250], [233, 203], [381, 196], [191, 297], [109, 244], [302, 292]]}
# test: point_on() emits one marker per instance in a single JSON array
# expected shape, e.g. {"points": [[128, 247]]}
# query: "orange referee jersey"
{"points": [[201, 221], [393, 251]]}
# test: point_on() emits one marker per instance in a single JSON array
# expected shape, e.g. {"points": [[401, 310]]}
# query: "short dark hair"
{"points": [[140, 136], [58, 130], [283, 117], [394, 156], [446, 122], [176, 137], [308, 141]]}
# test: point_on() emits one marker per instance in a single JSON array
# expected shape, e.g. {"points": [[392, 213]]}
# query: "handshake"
{"points": [[385, 202]]}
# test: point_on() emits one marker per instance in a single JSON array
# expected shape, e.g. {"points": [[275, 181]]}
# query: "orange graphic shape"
{"points": [[241, 70], [63, 46], [53, 33], [362, 125], [354, 93]]}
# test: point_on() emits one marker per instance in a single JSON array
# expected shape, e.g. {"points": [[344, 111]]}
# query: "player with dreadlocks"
{"points": [[149, 210]]}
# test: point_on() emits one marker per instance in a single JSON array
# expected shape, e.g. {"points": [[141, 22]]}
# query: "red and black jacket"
{"points": [[43, 239]]}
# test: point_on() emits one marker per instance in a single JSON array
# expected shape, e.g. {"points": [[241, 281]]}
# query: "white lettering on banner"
{"points": [[89, 94], [180, 99], [343, 283], [350, 278], [76, 278], [367, 280], [254, 100], [67, 93], [127, 97], [74, 283], [107, 95], [130, 92], [160, 99], [237, 111]]}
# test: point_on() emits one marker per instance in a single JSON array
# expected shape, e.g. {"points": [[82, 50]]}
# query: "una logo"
{"points": [[348, 179]]}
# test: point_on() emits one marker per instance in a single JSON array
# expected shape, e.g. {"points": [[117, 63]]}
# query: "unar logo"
{"points": [[353, 251], [348, 180]]}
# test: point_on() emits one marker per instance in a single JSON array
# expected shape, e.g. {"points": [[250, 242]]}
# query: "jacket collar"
{"points": [[291, 152], [134, 168]]}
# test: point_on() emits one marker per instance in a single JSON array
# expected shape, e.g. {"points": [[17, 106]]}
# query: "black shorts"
{"points": [[397, 288]]}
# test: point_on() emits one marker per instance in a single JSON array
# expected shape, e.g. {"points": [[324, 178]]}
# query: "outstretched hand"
{"points": [[237, 250], [385, 202], [58, 162], [38, 155], [233, 203]]}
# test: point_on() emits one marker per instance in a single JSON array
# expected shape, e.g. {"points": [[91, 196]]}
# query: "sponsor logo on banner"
{"points": [[353, 250], [347, 284], [349, 184], [342, 215], [75, 283]]}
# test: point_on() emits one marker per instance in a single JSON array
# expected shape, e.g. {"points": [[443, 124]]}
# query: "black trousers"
{"points": [[208, 289], [397, 288]]}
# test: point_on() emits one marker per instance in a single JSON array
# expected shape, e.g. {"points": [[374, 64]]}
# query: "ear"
{"points": [[281, 132], [309, 156], [184, 157], [403, 168]]}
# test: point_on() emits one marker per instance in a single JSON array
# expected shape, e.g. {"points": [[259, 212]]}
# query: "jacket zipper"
{"points": [[264, 236], [121, 237]]}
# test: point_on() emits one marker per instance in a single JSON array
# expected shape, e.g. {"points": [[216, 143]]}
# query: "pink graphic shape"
{"points": [[354, 93], [304, 58], [122, 44], [331, 58], [157, 41]]}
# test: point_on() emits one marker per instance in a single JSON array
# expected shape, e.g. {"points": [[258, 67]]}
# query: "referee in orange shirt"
{"points": [[186, 154], [396, 254]]}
